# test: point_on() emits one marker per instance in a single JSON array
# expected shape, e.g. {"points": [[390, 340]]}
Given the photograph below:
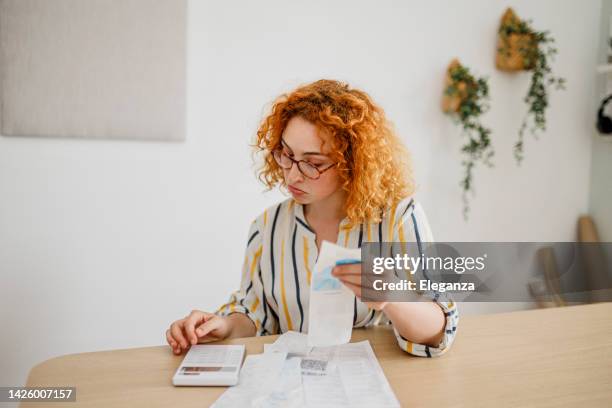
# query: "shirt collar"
{"points": [[298, 211]]}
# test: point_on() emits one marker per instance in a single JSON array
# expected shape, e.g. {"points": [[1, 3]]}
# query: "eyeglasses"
{"points": [[309, 170]]}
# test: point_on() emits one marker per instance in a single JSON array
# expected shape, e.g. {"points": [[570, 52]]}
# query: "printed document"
{"points": [[346, 375]]}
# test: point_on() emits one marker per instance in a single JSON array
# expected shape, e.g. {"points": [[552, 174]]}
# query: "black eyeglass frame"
{"points": [[281, 153]]}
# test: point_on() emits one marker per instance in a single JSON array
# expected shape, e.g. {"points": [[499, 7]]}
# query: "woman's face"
{"points": [[301, 140]]}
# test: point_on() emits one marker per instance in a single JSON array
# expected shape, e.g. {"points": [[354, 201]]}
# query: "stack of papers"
{"points": [[290, 373]]}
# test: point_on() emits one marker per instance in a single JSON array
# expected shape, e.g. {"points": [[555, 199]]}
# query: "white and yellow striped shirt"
{"points": [[280, 257]]}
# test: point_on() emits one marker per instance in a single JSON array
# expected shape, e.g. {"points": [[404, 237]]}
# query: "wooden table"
{"points": [[548, 357]]}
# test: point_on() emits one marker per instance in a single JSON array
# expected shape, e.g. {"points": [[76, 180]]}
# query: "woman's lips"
{"points": [[295, 191]]}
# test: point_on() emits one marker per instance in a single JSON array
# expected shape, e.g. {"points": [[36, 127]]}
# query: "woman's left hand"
{"points": [[350, 276]]}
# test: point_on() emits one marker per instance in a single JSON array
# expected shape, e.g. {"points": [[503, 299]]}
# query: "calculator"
{"points": [[210, 364]]}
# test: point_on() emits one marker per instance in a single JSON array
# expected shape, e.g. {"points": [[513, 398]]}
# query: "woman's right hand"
{"points": [[197, 327]]}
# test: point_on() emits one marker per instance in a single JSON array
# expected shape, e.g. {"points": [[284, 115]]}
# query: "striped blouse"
{"points": [[280, 256]]}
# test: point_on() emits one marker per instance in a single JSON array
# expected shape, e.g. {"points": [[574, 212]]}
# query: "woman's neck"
{"points": [[330, 209]]}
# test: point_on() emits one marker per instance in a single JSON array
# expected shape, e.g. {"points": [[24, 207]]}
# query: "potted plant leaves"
{"points": [[521, 48], [465, 98]]}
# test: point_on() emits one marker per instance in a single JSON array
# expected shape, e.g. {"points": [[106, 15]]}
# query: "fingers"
{"points": [[352, 279], [209, 327], [176, 348], [182, 333], [349, 278], [344, 270], [176, 331], [186, 332], [170, 340], [194, 319]]}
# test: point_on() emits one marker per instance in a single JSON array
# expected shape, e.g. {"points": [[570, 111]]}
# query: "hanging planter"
{"points": [[516, 46], [465, 98], [521, 48]]}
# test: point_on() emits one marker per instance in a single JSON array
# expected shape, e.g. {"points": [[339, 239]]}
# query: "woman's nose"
{"points": [[294, 174]]}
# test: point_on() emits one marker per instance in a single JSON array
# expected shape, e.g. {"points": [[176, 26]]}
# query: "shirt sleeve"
{"points": [[250, 298], [412, 226]]}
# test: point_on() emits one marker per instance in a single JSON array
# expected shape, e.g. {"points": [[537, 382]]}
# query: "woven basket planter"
{"points": [[511, 49]]}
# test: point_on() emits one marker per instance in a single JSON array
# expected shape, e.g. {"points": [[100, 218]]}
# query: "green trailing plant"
{"points": [[466, 99], [536, 49]]}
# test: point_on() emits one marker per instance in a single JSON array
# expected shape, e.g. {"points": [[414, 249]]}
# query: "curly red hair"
{"points": [[373, 162]]}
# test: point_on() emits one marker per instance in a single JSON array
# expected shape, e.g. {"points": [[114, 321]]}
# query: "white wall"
{"points": [[103, 244], [601, 149]]}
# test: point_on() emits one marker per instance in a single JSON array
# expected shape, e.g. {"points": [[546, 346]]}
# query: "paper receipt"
{"points": [[330, 320]]}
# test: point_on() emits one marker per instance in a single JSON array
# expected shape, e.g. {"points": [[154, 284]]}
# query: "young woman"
{"points": [[350, 182]]}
